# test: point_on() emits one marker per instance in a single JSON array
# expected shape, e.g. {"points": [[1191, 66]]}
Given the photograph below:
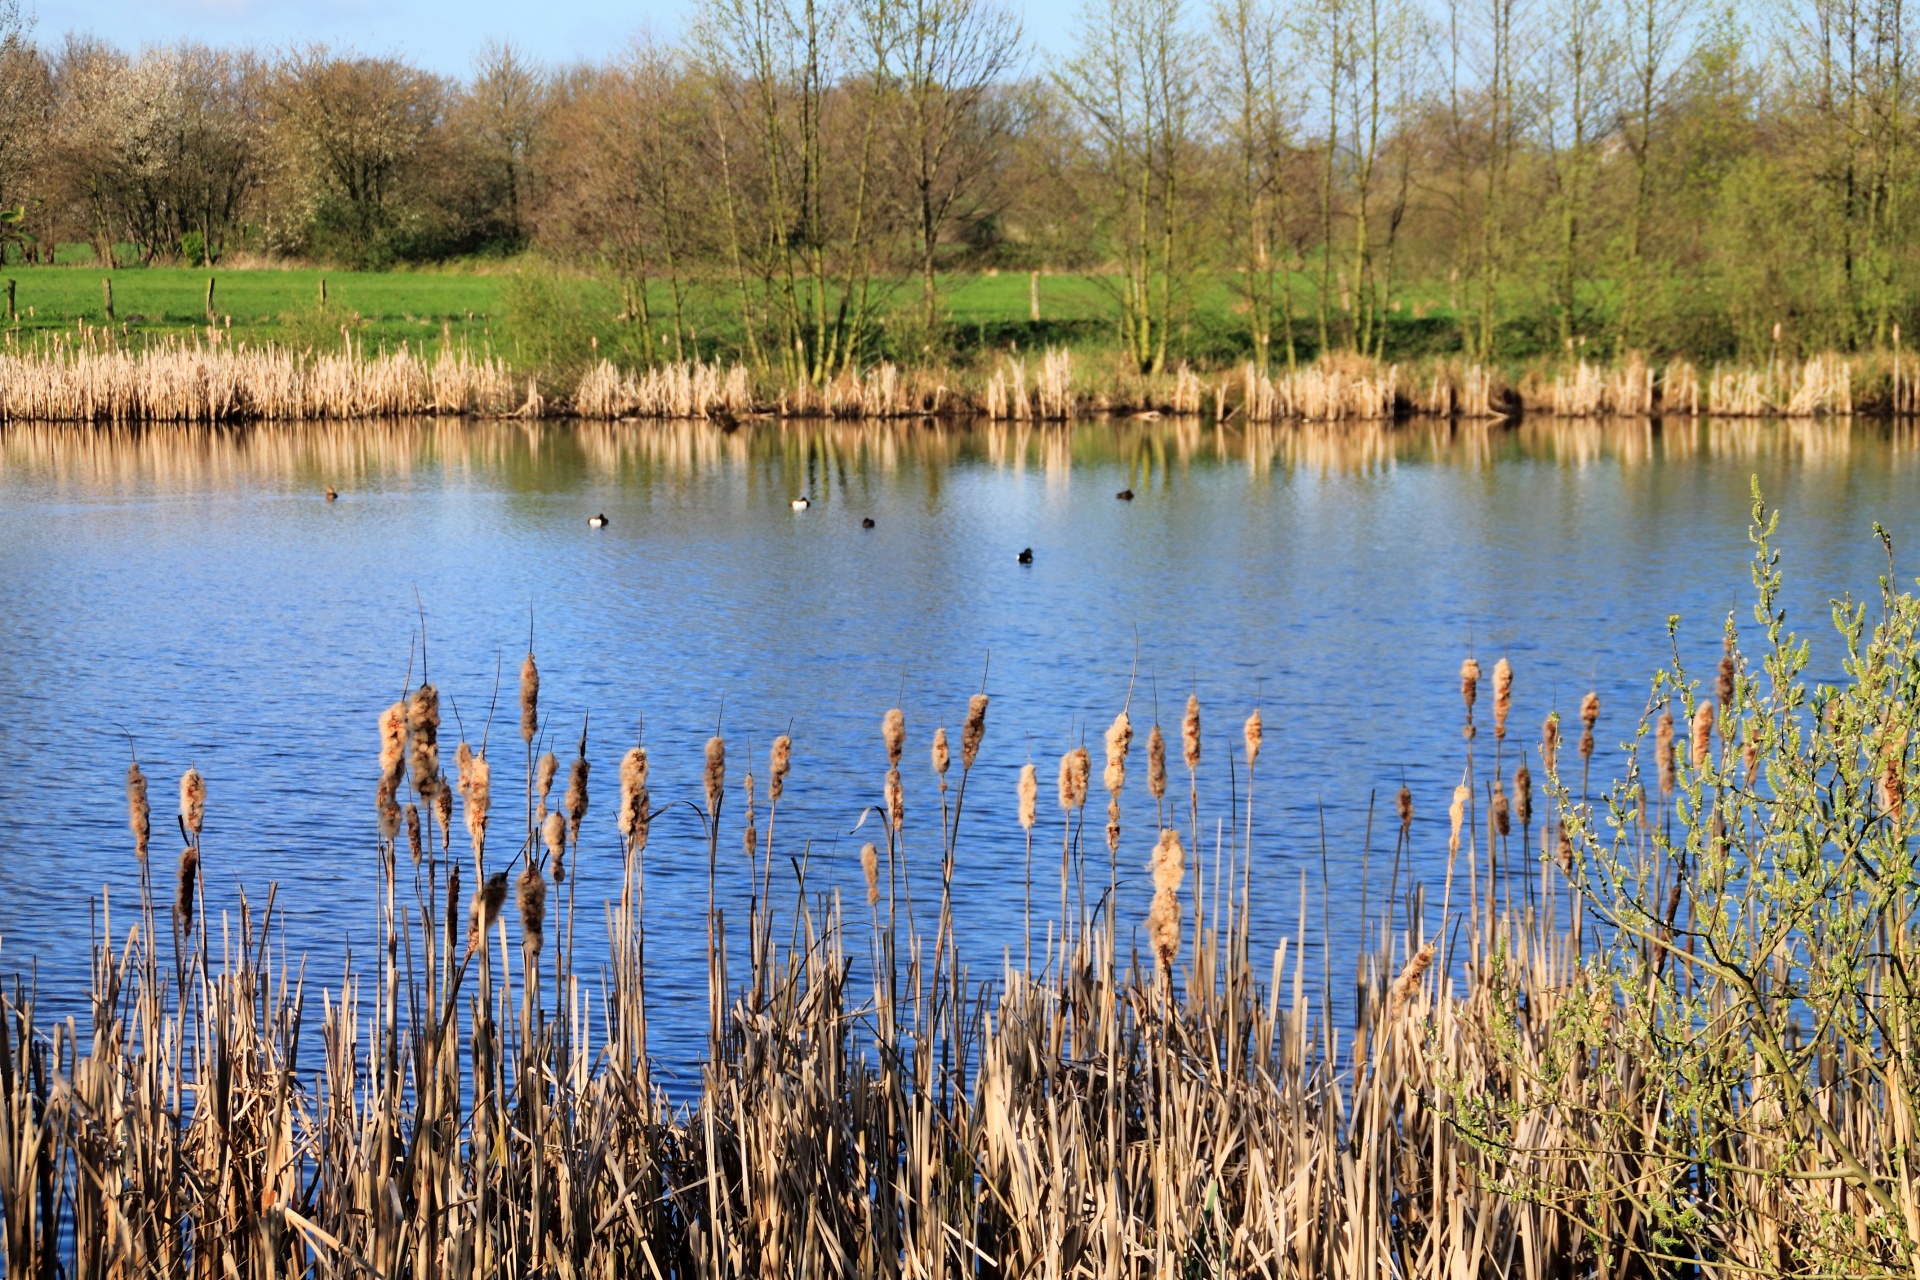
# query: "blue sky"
{"points": [[440, 35]]}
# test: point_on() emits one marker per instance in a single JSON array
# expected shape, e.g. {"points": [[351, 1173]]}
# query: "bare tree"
{"points": [[1259, 117], [504, 107]]}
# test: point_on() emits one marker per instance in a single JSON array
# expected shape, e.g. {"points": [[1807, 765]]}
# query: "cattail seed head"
{"points": [[577, 796], [716, 774], [1523, 796], [1156, 764], [193, 801], [973, 730], [1029, 796], [393, 741], [1113, 824], [893, 732], [1456, 814], [750, 841], [476, 790], [779, 762], [1169, 862], [529, 702], [1893, 785], [1590, 711], [1550, 742], [388, 809], [1190, 732], [423, 721], [139, 813], [1401, 993], [184, 888], [1502, 697], [1663, 754], [443, 810], [1723, 684], [1750, 760], [1563, 847], [414, 848], [1076, 769], [485, 909], [531, 897], [554, 834], [1119, 742], [1702, 735], [870, 867], [1469, 683], [896, 801], [1254, 732], [1500, 812], [1403, 807], [942, 757], [632, 818], [1163, 929], [544, 773]]}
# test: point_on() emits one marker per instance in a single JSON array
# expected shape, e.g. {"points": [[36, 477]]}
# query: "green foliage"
{"points": [[560, 323]]}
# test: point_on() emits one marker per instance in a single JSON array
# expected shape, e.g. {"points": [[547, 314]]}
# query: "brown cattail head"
{"points": [[870, 867], [1590, 711], [973, 730], [1456, 814], [393, 742], [139, 813], [1119, 743], [1113, 824], [423, 721], [1702, 735], [183, 890], [529, 702], [716, 774], [1501, 812], [485, 910], [1169, 862], [1750, 760], [1163, 929], [1403, 807], [193, 801], [1893, 783], [1502, 696], [1470, 683], [751, 840], [544, 773], [896, 801], [1562, 846], [443, 810], [554, 833], [1550, 742], [476, 794], [632, 818], [1190, 732], [577, 796], [1254, 732], [413, 833], [779, 763], [1401, 993], [1723, 684], [893, 732], [942, 757], [531, 896], [387, 808], [1076, 771], [1523, 796], [1663, 756], [1156, 763], [1029, 795]]}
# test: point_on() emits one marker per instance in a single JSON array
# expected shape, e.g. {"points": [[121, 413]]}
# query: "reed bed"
{"points": [[1632, 1032]]}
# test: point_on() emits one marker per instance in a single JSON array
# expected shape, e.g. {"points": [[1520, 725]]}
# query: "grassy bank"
{"points": [[1658, 1026]]}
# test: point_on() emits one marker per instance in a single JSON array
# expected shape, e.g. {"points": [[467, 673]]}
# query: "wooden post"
{"points": [[210, 299], [1033, 297], [106, 294], [10, 286], [323, 293]]}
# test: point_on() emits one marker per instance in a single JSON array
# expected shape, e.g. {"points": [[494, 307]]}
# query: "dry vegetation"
{"points": [[1675, 1040]]}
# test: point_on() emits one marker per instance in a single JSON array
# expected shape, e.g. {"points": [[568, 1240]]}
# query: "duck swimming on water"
{"points": [[800, 504], [596, 522], [867, 523], [1026, 557], [330, 493]]}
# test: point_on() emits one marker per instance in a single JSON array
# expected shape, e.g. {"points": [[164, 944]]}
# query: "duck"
{"points": [[596, 522], [1026, 557], [1125, 495], [330, 493], [800, 504], [867, 523]]}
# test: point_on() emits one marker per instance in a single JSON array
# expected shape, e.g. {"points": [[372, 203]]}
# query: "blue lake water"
{"points": [[193, 587]]}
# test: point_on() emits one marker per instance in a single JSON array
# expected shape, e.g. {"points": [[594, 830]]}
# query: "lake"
{"points": [[192, 588]]}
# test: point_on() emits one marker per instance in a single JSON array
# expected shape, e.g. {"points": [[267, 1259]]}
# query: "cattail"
{"points": [[193, 801], [139, 813], [1702, 736], [529, 702], [393, 741], [476, 793], [387, 808], [1550, 742], [1663, 753], [486, 909], [1750, 760], [1156, 764], [942, 758], [973, 730], [1254, 732], [183, 894], [896, 801], [1029, 795], [893, 732], [1169, 862], [632, 818], [413, 832], [423, 720], [1470, 683], [1076, 768], [443, 810], [1502, 697], [554, 832], [779, 762], [1190, 732], [577, 796], [532, 900], [1893, 784], [716, 774], [1563, 847], [1589, 716], [750, 841], [1523, 796], [1723, 686], [1407, 983], [1163, 929], [1456, 813], [870, 866], [1502, 811], [1403, 806], [544, 773], [1119, 742]]}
